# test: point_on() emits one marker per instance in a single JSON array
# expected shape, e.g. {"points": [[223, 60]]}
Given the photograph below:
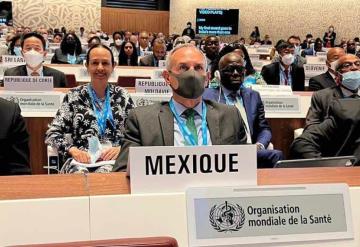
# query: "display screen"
{"points": [[217, 21], [6, 13]]}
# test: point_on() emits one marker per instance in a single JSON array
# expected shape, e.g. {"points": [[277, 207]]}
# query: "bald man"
{"points": [[249, 105], [347, 69], [327, 79]]}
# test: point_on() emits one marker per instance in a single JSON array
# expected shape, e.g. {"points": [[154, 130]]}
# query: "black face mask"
{"points": [[191, 84], [232, 77]]}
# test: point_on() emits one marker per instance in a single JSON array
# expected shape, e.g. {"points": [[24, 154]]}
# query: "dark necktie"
{"points": [[286, 71], [190, 123], [34, 73]]}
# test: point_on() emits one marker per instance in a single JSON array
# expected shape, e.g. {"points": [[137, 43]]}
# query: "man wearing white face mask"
{"points": [[285, 71], [327, 79], [33, 51], [348, 81]]}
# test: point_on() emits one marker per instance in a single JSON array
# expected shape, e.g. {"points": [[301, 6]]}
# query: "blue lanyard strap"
{"points": [[102, 115], [189, 138]]}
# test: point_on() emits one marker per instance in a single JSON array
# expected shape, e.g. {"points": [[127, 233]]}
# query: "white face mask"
{"points": [[118, 42], [33, 58], [288, 59]]}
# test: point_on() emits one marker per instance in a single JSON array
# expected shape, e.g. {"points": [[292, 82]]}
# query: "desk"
{"points": [[109, 212]]}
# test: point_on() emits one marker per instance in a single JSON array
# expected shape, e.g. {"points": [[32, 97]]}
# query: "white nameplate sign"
{"points": [[12, 60], [146, 53], [143, 99], [314, 60], [231, 216], [272, 89], [152, 86], [314, 69], [157, 74], [162, 63], [281, 104], [173, 169], [28, 83], [254, 57], [261, 50], [35, 101]]}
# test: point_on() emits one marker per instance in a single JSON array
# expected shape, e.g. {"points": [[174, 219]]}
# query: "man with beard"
{"points": [[212, 48], [187, 120], [249, 104]]}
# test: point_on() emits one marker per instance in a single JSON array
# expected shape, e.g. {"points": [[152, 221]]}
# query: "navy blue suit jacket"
{"points": [[259, 127]]}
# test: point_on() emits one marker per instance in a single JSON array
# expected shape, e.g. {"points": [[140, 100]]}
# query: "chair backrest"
{"points": [[129, 242], [129, 81], [71, 81]]}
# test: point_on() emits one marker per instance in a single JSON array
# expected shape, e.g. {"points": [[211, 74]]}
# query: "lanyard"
{"points": [[189, 138], [101, 114], [71, 59]]}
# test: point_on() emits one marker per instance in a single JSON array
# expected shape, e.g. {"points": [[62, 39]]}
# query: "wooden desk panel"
{"points": [[65, 185], [282, 132], [42, 186]]}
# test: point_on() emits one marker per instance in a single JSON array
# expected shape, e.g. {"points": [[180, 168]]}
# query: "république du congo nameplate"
{"points": [[163, 169], [152, 86], [230, 216]]}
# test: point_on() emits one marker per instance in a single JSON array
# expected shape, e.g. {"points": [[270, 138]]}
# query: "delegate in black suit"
{"points": [[154, 126], [338, 135], [320, 102], [271, 74], [59, 77], [321, 81], [14, 139]]}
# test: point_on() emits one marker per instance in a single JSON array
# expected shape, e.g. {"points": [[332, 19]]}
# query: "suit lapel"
{"points": [[247, 105], [167, 124], [277, 73], [45, 71], [213, 123], [23, 70]]}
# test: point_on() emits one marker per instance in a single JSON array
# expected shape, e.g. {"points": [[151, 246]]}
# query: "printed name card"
{"points": [[12, 60], [152, 86], [146, 53], [143, 99], [28, 83], [314, 69], [162, 63], [35, 101], [232, 216], [263, 50], [282, 104], [173, 169], [157, 74], [272, 89], [254, 57], [315, 60]]}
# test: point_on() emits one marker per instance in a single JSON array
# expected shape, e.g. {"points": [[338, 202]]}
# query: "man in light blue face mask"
{"points": [[348, 82], [296, 42], [348, 71]]}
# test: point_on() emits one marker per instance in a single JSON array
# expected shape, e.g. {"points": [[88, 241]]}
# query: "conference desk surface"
{"points": [[72, 185]]}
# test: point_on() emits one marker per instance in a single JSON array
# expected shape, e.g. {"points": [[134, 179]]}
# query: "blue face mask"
{"points": [[17, 51], [351, 80]]}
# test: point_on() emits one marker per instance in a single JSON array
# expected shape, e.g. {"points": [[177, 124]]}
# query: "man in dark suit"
{"points": [[346, 87], [327, 79], [188, 31], [187, 120], [249, 104], [33, 50], [14, 140], [144, 45], [338, 135], [285, 71], [159, 52]]}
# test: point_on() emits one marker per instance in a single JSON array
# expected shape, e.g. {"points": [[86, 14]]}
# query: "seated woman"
{"points": [[97, 109], [128, 54], [116, 46], [69, 52]]}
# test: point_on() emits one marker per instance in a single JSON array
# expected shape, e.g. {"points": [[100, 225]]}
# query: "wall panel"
{"points": [[278, 18], [115, 19]]}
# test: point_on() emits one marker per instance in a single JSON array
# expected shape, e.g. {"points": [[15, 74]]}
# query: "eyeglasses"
{"points": [[348, 65], [230, 69]]}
